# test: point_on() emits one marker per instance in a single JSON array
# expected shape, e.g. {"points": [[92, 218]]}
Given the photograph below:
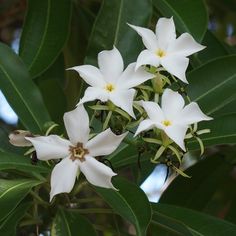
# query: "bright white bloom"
{"points": [[77, 153], [111, 81], [173, 118], [164, 49]]}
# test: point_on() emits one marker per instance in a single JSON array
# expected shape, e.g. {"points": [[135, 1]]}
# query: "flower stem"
{"points": [[105, 125]]}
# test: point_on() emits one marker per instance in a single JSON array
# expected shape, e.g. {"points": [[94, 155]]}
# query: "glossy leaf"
{"points": [[12, 192], [8, 226], [189, 15], [20, 91], [45, 32], [200, 224], [111, 28], [130, 202], [10, 161], [213, 84], [71, 223]]}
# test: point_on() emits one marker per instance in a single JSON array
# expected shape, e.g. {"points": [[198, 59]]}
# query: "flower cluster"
{"points": [[117, 91]]}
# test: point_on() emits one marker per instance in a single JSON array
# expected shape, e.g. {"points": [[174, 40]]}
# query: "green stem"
{"points": [[105, 125], [94, 211]]}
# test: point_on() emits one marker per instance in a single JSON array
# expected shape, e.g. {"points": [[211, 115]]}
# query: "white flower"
{"points": [[77, 153], [164, 49], [111, 81], [173, 118]]}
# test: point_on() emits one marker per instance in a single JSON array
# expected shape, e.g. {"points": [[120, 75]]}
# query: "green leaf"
{"points": [[10, 161], [20, 91], [110, 28], [71, 223], [213, 84], [200, 224], [12, 193], [189, 15], [130, 202], [45, 32], [8, 226], [223, 131]]}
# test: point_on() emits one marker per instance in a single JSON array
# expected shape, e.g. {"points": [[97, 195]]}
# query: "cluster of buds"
{"points": [[127, 100]]}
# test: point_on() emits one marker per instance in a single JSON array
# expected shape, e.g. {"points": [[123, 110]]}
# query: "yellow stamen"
{"points": [[109, 87], [160, 53], [166, 122]]}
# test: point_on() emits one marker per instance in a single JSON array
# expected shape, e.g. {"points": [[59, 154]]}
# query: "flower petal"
{"points": [[91, 75], [17, 138], [148, 37], [147, 57], [192, 114], [123, 99], [104, 143], [92, 94], [97, 173], [177, 134], [144, 125], [185, 45], [50, 147], [176, 65], [154, 111], [63, 176], [111, 64], [165, 32], [172, 104], [131, 78], [77, 125]]}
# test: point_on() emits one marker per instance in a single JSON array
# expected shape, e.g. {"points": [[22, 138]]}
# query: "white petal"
{"points": [[177, 134], [97, 173], [77, 125], [123, 99], [154, 111], [63, 177], [148, 37], [104, 143], [131, 78], [147, 57], [192, 114], [111, 64], [165, 31], [17, 138], [185, 45], [92, 94], [172, 104], [144, 125], [91, 75], [50, 147], [176, 65]]}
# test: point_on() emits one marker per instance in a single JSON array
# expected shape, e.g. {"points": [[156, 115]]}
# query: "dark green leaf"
{"points": [[200, 224], [45, 32], [20, 91], [130, 202], [11, 194], [189, 15], [71, 224]]}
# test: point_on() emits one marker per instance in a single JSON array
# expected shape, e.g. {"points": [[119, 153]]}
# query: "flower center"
{"points": [[166, 123], [160, 53], [109, 87], [78, 152]]}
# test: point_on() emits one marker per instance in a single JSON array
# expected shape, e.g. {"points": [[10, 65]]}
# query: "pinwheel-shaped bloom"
{"points": [[77, 153], [173, 118], [164, 49], [111, 81]]}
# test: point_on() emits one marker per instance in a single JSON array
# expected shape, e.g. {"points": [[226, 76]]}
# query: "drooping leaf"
{"points": [[8, 226], [45, 32], [22, 94], [189, 15], [130, 202], [71, 223], [12, 192], [198, 223]]}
